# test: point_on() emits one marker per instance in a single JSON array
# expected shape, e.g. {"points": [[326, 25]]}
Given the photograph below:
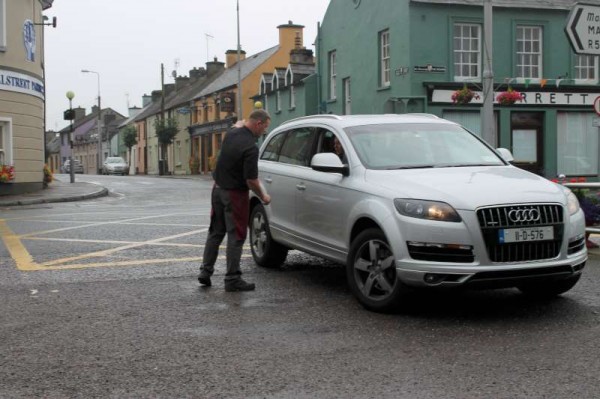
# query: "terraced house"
{"points": [[404, 56], [22, 95]]}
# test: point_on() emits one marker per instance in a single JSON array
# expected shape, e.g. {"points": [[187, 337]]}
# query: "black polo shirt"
{"points": [[238, 160]]}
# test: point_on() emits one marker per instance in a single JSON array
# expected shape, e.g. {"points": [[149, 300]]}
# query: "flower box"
{"points": [[463, 96], [509, 97], [7, 173]]}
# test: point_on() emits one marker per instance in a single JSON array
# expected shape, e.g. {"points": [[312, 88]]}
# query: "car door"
{"points": [[282, 161], [323, 204]]}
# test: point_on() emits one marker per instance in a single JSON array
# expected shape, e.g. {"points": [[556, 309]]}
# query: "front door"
{"points": [[527, 138]]}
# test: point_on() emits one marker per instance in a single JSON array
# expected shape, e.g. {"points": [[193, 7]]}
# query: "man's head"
{"points": [[258, 122]]}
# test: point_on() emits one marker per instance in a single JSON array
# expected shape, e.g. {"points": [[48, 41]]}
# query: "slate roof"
{"points": [[546, 4], [301, 71], [229, 77]]}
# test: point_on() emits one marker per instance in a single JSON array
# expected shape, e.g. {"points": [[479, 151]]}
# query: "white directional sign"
{"points": [[583, 29]]}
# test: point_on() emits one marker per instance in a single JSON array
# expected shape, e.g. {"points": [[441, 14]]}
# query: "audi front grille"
{"points": [[495, 219]]}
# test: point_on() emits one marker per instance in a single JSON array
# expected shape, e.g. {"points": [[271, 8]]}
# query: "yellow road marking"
{"points": [[15, 247]]}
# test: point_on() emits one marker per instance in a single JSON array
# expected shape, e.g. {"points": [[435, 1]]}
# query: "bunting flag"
{"points": [[543, 82], [527, 81], [558, 82]]}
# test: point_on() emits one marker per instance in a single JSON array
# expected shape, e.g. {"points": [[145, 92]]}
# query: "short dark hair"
{"points": [[260, 115]]}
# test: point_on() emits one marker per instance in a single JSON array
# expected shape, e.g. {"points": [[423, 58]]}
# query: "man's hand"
{"points": [[266, 199]]}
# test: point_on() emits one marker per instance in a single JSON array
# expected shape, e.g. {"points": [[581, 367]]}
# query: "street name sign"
{"points": [[583, 29]]}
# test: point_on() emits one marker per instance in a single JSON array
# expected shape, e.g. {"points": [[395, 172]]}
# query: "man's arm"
{"points": [[256, 187]]}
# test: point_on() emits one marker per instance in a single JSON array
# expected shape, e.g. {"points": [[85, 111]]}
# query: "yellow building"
{"points": [[215, 107], [22, 96]]}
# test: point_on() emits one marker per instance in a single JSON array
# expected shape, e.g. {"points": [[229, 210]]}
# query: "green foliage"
{"points": [[166, 130], [130, 136]]}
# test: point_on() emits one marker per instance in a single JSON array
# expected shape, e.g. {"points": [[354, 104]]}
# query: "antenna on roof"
{"points": [[207, 37], [175, 66]]}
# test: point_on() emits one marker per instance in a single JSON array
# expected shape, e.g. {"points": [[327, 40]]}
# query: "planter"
{"points": [[463, 96], [509, 97]]}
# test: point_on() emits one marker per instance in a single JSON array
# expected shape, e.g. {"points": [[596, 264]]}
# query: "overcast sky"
{"points": [[127, 40]]}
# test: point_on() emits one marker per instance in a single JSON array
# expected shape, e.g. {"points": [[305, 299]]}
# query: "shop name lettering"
{"points": [[21, 83], [556, 98]]}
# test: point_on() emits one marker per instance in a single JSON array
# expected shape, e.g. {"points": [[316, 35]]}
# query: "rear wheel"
{"points": [[265, 251], [549, 289], [371, 272]]}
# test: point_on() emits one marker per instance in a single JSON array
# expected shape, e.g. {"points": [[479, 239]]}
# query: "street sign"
{"points": [[583, 29], [597, 105]]}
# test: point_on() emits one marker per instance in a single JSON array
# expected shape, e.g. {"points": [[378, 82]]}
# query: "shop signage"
{"points": [[583, 29], [538, 98], [228, 102], [597, 105], [21, 83], [430, 68]]}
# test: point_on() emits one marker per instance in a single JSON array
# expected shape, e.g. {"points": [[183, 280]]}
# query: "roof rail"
{"points": [[327, 116]]}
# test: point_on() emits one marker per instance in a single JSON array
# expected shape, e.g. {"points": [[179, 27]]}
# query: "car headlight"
{"points": [[572, 203], [422, 209]]}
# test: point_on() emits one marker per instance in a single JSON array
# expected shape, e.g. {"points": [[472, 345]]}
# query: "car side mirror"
{"points": [[505, 154], [330, 163]]}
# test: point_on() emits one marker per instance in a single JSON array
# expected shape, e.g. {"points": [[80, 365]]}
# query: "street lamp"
{"points": [[99, 162], [239, 65], [71, 116]]}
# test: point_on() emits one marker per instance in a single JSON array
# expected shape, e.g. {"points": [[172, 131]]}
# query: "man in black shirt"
{"points": [[235, 173]]}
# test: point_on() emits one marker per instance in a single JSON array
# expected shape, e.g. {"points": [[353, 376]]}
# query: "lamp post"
{"points": [[70, 96], [239, 66], [99, 162]]}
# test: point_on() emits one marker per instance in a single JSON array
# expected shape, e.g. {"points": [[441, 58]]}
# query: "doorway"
{"points": [[527, 140]]}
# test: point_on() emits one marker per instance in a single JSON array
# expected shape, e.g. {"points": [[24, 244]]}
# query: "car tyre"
{"points": [[549, 289], [265, 251], [371, 272]]}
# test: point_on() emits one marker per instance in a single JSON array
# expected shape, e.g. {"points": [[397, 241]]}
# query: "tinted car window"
{"points": [[271, 152], [297, 147]]}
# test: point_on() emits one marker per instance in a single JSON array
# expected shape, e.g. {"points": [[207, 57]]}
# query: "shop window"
{"points": [[577, 144]]}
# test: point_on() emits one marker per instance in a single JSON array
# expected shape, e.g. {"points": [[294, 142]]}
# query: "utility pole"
{"points": [[487, 112], [239, 66], [161, 161]]}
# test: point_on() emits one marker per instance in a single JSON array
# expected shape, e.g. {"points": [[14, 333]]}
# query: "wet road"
{"points": [[99, 299]]}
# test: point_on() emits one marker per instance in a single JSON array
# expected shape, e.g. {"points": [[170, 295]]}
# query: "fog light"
{"points": [[431, 278]]}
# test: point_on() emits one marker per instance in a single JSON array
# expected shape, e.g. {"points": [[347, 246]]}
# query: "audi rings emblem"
{"points": [[524, 215]]}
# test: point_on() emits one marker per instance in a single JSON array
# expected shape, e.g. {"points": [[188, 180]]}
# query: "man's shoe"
{"points": [[238, 285], [204, 281]]}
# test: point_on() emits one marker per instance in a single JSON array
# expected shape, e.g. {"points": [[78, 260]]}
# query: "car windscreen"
{"points": [[419, 145], [115, 160]]}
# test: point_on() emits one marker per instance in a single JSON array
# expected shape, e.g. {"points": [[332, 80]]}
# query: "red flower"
{"points": [[7, 173], [509, 97]]}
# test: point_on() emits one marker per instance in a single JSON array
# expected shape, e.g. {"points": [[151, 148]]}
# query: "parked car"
{"points": [[115, 166], [66, 167], [421, 202]]}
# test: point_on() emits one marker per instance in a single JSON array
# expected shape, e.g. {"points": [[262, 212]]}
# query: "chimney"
{"points": [[180, 82], [156, 95], [146, 99], [291, 36], [301, 56], [197, 73], [79, 113], [95, 109], [169, 88], [133, 111], [214, 67], [231, 57]]}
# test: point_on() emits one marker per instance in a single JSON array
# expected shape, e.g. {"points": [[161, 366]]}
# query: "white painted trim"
{"points": [[8, 151]]}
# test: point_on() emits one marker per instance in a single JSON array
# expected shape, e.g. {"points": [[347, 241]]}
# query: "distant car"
{"points": [[115, 166], [66, 168], [418, 201]]}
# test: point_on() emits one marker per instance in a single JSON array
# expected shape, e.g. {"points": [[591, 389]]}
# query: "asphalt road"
{"points": [[99, 299]]}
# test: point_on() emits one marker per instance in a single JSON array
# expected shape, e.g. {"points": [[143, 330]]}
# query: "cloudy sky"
{"points": [[127, 40]]}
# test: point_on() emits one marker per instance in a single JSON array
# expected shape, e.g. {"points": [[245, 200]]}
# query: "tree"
{"points": [[166, 130], [130, 138]]}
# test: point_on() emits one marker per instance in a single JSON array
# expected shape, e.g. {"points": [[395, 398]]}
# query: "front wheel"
{"points": [[265, 251], [549, 289], [371, 272]]}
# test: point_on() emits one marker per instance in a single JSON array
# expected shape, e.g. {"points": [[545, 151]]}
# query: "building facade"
{"points": [[22, 95], [416, 54]]}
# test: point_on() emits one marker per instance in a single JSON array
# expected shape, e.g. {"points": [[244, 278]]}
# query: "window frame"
{"points": [[332, 57], [519, 55], [458, 65], [577, 67], [292, 97], [384, 59], [3, 38], [6, 152]]}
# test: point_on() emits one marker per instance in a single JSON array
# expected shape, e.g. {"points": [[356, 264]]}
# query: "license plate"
{"points": [[526, 234]]}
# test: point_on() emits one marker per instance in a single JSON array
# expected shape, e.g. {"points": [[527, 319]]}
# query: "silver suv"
{"points": [[413, 200]]}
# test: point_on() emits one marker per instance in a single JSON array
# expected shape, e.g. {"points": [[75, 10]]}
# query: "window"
{"points": [[586, 67], [5, 142], [577, 149], [384, 61], [271, 152], [278, 100], [292, 97], [467, 52], [332, 75], [347, 97], [2, 25], [297, 147], [529, 52]]}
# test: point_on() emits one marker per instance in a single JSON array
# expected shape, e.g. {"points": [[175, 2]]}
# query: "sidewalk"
{"points": [[57, 191]]}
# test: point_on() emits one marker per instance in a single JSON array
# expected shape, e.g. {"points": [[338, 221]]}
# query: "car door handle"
{"points": [[268, 180], [301, 186]]}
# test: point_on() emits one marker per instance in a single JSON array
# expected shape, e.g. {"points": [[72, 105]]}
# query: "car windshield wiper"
{"points": [[410, 167], [464, 165]]}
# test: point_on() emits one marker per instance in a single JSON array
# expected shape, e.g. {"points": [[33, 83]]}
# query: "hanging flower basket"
{"points": [[7, 173], [509, 97], [463, 96]]}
